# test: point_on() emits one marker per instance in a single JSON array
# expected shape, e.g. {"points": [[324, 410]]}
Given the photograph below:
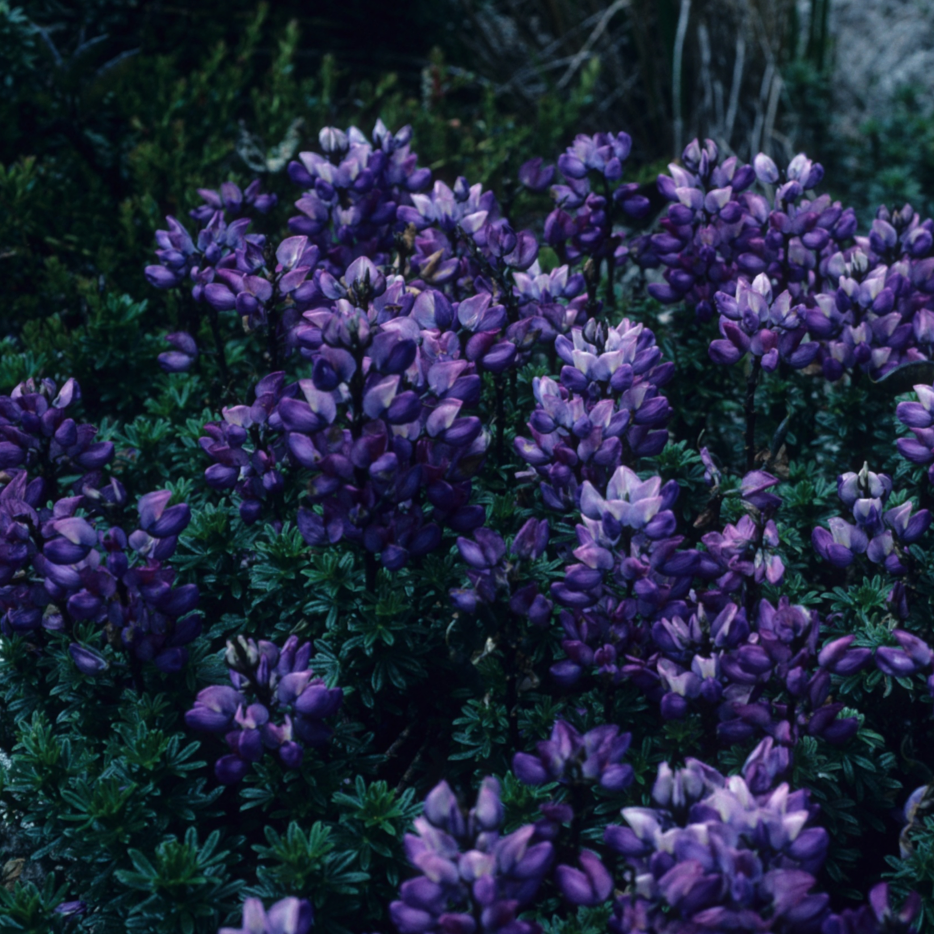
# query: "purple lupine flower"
{"points": [[493, 575], [355, 193], [754, 489], [287, 916], [877, 916], [571, 758], [80, 568], [920, 449], [87, 661], [590, 885], [838, 656], [607, 406], [751, 322], [745, 550], [232, 200], [183, 355], [883, 535], [718, 232], [706, 211], [589, 231], [472, 875], [536, 176], [409, 443], [912, 656], [281, 684], [36, 429], [687, 852]]}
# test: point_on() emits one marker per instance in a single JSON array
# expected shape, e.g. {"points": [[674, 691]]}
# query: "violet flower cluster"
{"points": [[461, 243], [879, 533], [717, 230], [397, 295], [354, 191], [381, 426], [577, 762], [871, 319], [582, 222], [492, 574], [473, 877], [62, 568], [627, 535], [128, 590], [716, 853], [845, 301], [919, 418], [268, 683], [288, 916], [222, 260], [605, 411], [712, 853], [769, 330], [39, 436], [369, 199], [73, 562], [572, 758], [691, 630]]}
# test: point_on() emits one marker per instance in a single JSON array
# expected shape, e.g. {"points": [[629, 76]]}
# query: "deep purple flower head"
{"points": [[590, 885], [470, 872], [606, 406], [754, 489], [280, 684], [535, 175], [36, 433], [288, 916], [752, 322], [571, 758], [713, 852], [380, 434], [493, 575], [876, 917], [80, 568], [589, 231], [881, 534], [917, 416], [183, 354], [233, 200]]}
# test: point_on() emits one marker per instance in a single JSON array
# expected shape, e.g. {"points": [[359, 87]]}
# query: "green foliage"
{"points": [[306, 862], [108, 787], [183, 882], [30, 909]]}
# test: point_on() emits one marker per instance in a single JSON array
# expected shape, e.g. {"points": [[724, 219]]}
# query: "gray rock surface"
{"points": [[879, 47]]}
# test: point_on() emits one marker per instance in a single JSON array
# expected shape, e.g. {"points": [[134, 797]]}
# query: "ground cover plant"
{"points": [[545, 551]]}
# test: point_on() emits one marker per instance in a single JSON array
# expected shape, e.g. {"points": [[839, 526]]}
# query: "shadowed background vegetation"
{"points": [[111, 110]]}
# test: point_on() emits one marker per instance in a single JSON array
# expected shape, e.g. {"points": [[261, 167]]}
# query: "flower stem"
{"points": [[752, 381], [219, 346], [500, 419]]}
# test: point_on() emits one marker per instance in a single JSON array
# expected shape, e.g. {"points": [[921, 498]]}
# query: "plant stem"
{"points": [[750, 409], [511, 660], [219, 346], [371, 571], [578, 797], [500, 419], [272, 337], [610, 273]]}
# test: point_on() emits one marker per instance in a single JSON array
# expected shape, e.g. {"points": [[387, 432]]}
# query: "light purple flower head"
{"points": [[569, 757], [288, 916]]}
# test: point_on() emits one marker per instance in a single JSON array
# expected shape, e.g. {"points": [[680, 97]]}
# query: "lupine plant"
{"points": [[480, 565]]}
